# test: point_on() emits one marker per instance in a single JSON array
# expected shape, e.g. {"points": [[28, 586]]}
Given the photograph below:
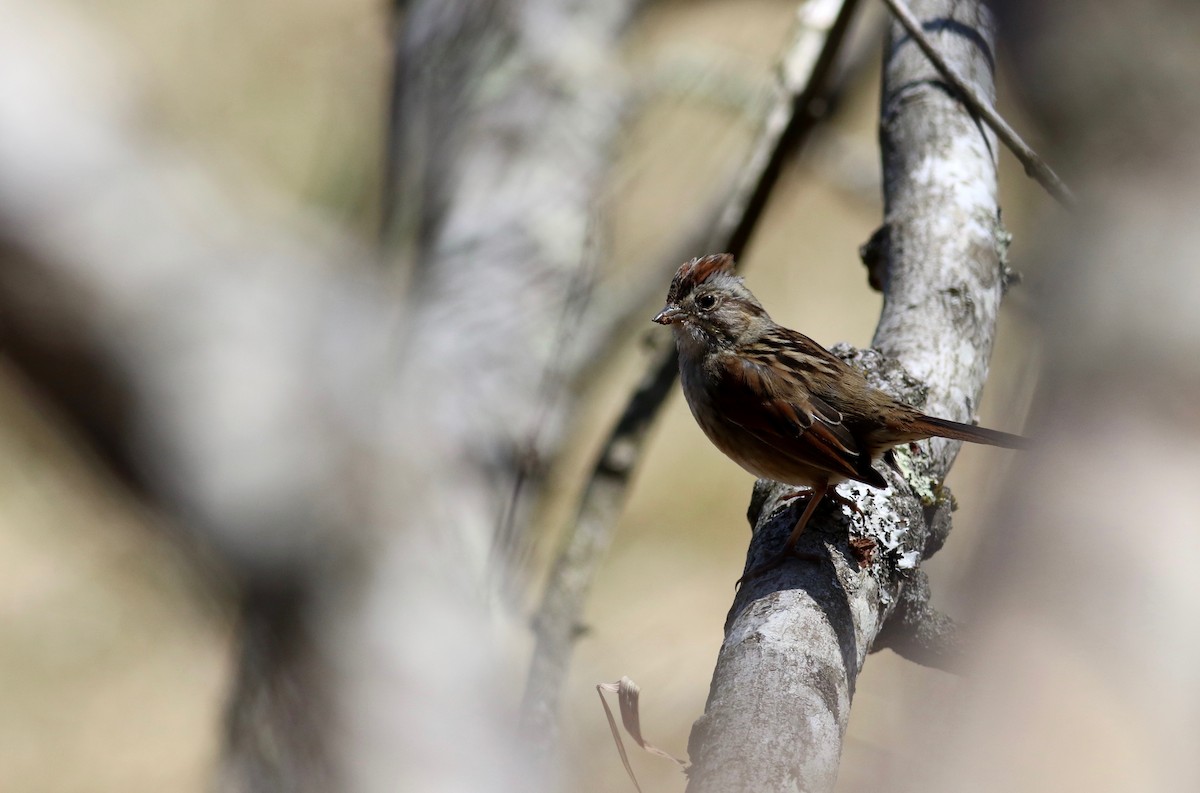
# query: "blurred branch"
{"points": [[619, 310], [804, 76], [350, 459], [797, 637], [190, 345], [1084, 607], [502, 122], [1035, 166]]}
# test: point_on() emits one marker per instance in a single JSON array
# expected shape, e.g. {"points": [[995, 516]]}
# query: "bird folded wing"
{"points": [[798, 425]]}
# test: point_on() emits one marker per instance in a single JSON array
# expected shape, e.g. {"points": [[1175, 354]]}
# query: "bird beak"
{"points": [[669, 315]]}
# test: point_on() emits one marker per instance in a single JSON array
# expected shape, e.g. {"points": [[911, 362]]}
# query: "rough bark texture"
{"points": [[261, 384], [944, 244], [796, 638], [982, 107]]}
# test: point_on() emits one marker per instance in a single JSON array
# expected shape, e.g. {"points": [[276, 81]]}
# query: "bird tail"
{"points": [[945, 428]]}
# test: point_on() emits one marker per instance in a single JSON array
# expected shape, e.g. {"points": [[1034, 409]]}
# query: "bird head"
{"points": [[707, 304]]}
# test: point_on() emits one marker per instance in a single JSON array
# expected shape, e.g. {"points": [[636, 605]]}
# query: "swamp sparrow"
{"points": [[779, 404]]}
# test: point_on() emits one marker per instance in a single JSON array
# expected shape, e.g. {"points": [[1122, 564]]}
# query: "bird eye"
{"points": [[707, 301]]}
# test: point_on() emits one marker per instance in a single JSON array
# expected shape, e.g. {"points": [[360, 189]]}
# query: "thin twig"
{"points": [[804, 77], [1035, 166]]}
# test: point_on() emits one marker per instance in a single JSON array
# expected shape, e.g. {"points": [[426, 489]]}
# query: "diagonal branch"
{"points": [[1035, 166], [804, 77]]}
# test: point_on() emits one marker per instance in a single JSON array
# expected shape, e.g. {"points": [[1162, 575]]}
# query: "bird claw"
{"points": [[795, 495], [848, 503], [832, 494]]}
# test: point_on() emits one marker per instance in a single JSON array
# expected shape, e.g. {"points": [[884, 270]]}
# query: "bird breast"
{"points": [[759, 458]]}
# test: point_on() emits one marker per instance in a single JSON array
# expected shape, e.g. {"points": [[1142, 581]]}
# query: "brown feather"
{"points": [[923, 426], [776, 402], [695, 272], [793, 424]]}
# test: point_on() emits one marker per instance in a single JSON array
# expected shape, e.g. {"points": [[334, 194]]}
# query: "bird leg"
{"points": [[803, 492], [848, 503], [789, 548], [832, 494]]}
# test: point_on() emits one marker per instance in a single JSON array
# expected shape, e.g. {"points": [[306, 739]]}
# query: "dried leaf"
{"points": [[627, 693]]}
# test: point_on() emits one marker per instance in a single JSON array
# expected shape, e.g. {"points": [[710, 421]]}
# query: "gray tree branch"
{"points": [[1035, 166], [797, 637], [503, 118], [804, 76], [342, 438]]}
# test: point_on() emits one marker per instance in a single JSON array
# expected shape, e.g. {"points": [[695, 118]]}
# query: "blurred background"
{"points": [[116, 648]]}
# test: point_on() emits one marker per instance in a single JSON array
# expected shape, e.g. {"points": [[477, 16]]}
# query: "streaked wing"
{"points": [[761, 397]]}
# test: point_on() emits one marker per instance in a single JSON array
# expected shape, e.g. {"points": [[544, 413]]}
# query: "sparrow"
{"points": [[780, 405]]}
